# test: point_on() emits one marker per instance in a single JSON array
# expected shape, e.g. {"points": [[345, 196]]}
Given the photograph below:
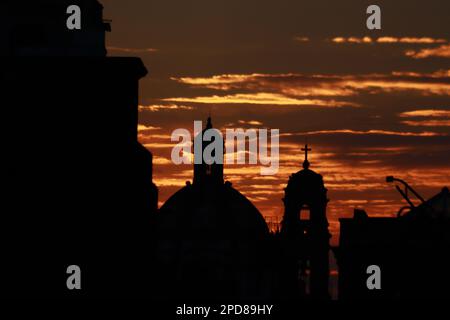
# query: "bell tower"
{"points": [[307, 240]]}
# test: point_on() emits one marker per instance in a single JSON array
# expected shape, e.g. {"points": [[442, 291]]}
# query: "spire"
{"points": [[306, 162], [209, 123]]}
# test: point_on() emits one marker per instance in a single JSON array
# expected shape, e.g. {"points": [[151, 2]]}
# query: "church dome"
{"points": [[221, 208], [212, 242]]}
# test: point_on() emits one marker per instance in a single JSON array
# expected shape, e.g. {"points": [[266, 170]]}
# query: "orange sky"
{"points": [[371, 103]]}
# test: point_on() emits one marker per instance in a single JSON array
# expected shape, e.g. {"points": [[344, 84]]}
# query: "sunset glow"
{"points": [[369, 104]]}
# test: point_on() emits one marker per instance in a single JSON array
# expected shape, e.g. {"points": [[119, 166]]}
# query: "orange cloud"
{"points": [[264, 99], [161, 161], [301, 39], [251, 122], [155, 108], [423, 40], [321, 90], [318, 85], [169, 182], [441, 51], [426, 113], [410, 40], [158, 145], [142, 127], [352, 40], [393, 85], [380, 132], [437, 74], [218, 79], [339, 40], [359, 40], [427, 123]]}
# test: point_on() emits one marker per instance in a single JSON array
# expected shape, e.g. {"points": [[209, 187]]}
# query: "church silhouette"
{"points": [[212, 242], [78, 190]]}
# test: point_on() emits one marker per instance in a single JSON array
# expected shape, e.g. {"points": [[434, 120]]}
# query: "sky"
{"points": [[371, 103]]}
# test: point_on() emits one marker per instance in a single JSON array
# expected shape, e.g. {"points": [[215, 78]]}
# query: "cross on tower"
{"points": [[306, 162], [306, 149]]}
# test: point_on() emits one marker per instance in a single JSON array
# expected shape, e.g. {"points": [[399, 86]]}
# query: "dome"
{"points": [[220, 207], [212, 242]]}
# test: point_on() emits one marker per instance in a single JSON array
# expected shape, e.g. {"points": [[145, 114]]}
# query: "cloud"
{"points": [[142, 127], [161, 161], [375, 132], [251, 122], [407, 40], [159, 145], [423, 40], [301, 39], [156, 108], [320, 85], [426, 113], [169, 182], [263, 98], [131, 50], [441, 51], [388, 85], [352, 40], [427, 123], [216, 81], [443, 73]]}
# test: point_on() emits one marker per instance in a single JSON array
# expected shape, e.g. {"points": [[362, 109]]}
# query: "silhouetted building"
{"points": [[306, 241], [212, 242], [77, 185], [412, 251], [39, 28]]}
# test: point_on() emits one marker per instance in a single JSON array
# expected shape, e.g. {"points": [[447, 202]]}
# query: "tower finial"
{"points": [[209, 123], [306, 149]]}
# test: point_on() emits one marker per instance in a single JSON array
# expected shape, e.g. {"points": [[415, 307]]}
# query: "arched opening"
{"points": [[305, 213]]}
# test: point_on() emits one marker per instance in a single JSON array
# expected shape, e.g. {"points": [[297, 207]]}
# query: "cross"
{"points": [[306, 149]]}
